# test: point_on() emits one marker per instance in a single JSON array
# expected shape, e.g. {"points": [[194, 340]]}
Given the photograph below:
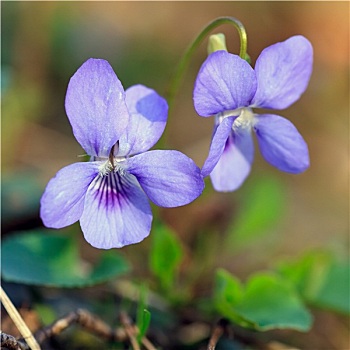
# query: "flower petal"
{"points": [[63, 200], [224, 82], [283, 71], [169, 178], [116, 212], [235, 162], [96, 108], [148, 116], [281, 144], [217, 146]]}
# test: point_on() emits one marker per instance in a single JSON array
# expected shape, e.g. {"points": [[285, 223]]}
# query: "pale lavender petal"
{"points": [[281, 143], [96, 108], [169, 178], [217, 146], [283, 71], [116, 212], [235, 162], [63, 200], [224, 82], [148, 116]]}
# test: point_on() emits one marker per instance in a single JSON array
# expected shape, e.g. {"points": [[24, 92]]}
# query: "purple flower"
{"points": [[228, 87], [110, 194]]}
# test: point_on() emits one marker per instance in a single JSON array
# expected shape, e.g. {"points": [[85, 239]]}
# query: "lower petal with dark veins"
{"points": [[116, 211]]}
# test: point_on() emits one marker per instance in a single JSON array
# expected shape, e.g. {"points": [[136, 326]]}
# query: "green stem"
{"points": [[185, 60]]}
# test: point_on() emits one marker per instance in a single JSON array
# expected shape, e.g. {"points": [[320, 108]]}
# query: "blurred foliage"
{"points": [[143, 325], [265, 302], [9, 24], [16, 116], [136, 61], [322, 279], [43, 258], [46, 313], [165, 256], [20, 196], [262, 207], [143, 316]]}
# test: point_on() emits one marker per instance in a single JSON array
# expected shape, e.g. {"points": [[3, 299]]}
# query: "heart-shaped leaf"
{"points": [[43, 258], [265, 302]]}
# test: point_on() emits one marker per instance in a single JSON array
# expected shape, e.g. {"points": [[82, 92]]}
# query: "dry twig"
{"points": [[11, 343], [130, 330], [84, 318], [18, 321], [90, 322], [217, 332]]}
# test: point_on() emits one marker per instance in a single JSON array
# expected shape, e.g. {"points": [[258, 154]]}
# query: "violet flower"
{"points": [[228, 87], [110, 193]]}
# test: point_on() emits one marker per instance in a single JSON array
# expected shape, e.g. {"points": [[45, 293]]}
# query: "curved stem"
{"points": [[184, 62]]}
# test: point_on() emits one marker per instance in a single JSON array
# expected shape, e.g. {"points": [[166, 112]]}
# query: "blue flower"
{"points": [[228, 87], [110, 194]]}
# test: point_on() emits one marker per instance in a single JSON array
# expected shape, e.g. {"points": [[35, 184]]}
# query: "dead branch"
{"points": [[11, 343], [86, 320], [130, 330], [217, 332]]}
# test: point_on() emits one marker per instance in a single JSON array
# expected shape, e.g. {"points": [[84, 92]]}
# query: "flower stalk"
{"points": [[185, 60]]}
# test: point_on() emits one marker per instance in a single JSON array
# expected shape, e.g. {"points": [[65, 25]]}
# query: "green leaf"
{"points": [[266, 302], [261, 207], [228, 292], [146, 320], [335, 293], [46, 313], [320, 279], [307, 273], [110, 265], [228, 288], [143, 316], [270, 302], [43, 258], [165, 256]]}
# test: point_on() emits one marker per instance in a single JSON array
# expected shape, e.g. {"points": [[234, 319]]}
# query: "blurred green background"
{"points": [[44, 43]]}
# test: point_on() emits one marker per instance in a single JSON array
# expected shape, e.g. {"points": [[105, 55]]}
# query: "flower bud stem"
{"points": [[184, 62]]}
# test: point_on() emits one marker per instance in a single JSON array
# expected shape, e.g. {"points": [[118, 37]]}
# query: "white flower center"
{"points": [[245, 117], [112, 164]]}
